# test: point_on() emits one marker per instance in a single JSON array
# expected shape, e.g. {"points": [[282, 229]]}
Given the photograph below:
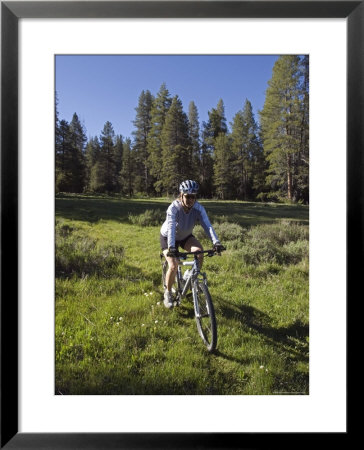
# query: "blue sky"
{"points": [[102, 88]]}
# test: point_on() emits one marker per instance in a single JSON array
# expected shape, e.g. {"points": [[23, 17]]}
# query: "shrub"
{"points": [[267, 252], [219, 219], [280, 233], [225, 231], [199, 233], [229, 231], [284, 243], [150, 218], [63, 229], [78, 254]]}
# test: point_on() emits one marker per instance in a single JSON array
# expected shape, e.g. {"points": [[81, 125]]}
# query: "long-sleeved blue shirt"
{"points": [[179, 224]]}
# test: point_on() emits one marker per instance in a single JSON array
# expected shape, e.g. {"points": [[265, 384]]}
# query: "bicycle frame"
{"points": [[185, 285]]}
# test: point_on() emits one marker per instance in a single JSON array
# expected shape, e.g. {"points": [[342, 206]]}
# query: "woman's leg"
{"points": [[193, 245], [172, 270]]}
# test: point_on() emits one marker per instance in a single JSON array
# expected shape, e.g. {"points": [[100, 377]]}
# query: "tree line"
{"points": [[269, 161]]}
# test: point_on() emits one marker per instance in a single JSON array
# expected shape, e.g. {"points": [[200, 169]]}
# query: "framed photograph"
{"points": [[31, 415]]}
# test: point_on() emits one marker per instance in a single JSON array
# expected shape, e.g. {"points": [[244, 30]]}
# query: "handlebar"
{"points": [[183, 255]]}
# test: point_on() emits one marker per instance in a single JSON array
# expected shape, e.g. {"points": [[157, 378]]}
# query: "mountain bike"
{"points": [[196, 281]]}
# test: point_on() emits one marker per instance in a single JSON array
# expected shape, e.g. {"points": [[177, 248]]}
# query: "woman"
{"points": [[176, 231]]}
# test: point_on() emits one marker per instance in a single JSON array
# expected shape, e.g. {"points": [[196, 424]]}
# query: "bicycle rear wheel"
{"points": [[205, 315]]}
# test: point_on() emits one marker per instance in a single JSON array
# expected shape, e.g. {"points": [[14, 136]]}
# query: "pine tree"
{"points": [[77, 163], [101, 154], [215, 125], [222, 170], [92, 155], [194, 134], [259, 166], [63, 152], [160, 107], [56, 122], [142, 123], [70, 164], [126, 177], [206, 163], [247, 163], [302, 175], [240, 152], [175, 147], [281, 120], [118, 155], [107, 140]]}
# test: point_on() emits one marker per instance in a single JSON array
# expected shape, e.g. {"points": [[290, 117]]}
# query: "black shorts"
{"points": [[164, 242]]}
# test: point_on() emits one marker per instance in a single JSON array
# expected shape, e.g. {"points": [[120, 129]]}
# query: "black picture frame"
{"points": [[11, 12]]}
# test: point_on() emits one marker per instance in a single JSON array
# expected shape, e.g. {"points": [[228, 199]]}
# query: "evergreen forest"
{"points": [[247, 159]]}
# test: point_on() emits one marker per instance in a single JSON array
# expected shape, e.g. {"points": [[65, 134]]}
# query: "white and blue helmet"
{"points": [[188, 187]]}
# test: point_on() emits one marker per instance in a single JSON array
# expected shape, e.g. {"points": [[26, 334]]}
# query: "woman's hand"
{"points": [[172, 252], [218, 248]]}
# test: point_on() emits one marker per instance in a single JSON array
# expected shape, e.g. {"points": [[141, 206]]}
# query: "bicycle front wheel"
{"points": [[205, 315]]}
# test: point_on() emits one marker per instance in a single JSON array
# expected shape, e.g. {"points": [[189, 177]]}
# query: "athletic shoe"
{"points": [[168, 299]]}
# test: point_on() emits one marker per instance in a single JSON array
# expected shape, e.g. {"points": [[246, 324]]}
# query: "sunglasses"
{"points": [[189, 196]]}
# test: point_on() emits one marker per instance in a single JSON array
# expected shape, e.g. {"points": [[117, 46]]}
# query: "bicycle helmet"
{"points": [[189, 187]]}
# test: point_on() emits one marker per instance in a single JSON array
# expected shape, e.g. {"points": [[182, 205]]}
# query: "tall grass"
{"points": [[151, 217], [79, 254], [285, 242], [114, 336]]}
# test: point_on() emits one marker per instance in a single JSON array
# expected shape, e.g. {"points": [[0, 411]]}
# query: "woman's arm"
{"points": [[171, 226], [206, 225]]}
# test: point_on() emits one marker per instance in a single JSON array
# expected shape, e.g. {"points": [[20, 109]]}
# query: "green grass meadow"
{"points": [[113, 334]]}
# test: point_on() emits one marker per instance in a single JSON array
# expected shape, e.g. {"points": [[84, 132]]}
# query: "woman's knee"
{"points": [[173, 266], [193, 245]]}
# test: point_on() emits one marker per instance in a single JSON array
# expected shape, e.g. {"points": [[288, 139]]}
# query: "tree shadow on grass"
{"points": [[292, 339], [93, 209], [185, 309], [232, 358], [247, 214]]}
